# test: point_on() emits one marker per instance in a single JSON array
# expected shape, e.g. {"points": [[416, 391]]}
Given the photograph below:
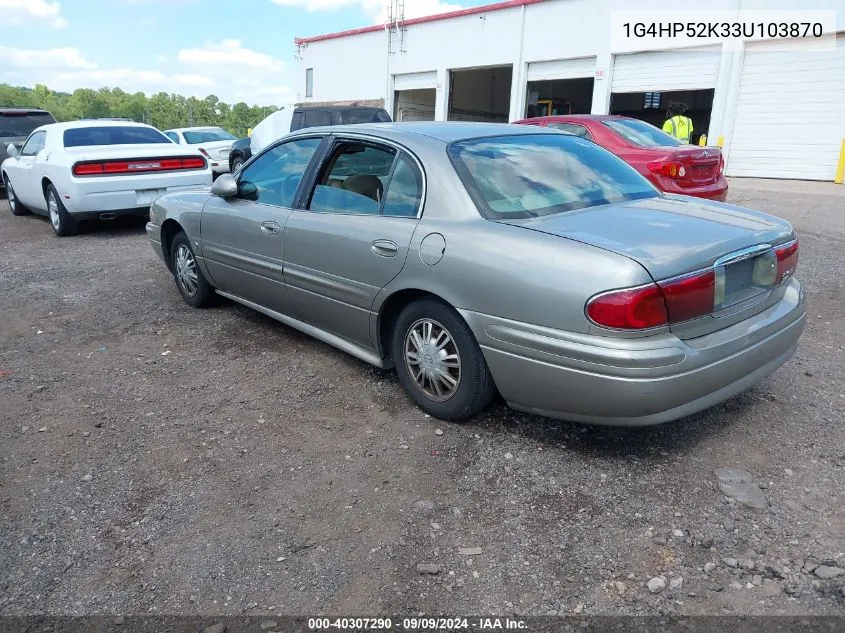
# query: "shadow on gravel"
{"points": [[648, 442], [128, 225]]}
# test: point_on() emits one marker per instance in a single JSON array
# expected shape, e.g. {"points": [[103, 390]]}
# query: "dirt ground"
{"points": [[160, 459]]}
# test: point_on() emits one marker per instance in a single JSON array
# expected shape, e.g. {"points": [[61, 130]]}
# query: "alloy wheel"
{"points": [[432, 359], [186, 270], [53, 207]]}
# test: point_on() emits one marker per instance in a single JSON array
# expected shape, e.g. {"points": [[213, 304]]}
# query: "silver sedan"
{"points": [[479, 259]]}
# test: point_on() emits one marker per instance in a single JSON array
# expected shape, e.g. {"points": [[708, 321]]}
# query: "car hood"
{"points": [[668, 235]]}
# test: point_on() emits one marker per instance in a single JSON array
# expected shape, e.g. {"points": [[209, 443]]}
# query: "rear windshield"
{"points": [[351, 117], [196, 137], [14, 124], [525, 176], [641, 133], [113, 135]]}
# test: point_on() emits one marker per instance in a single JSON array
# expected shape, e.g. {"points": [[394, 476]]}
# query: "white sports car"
{"points": [[97, 169], [212, 142]]}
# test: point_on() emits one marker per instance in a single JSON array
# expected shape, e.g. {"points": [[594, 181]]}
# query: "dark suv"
{"points": [[314, 117], [16, 124]]}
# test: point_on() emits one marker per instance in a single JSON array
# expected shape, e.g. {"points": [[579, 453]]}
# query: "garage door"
{"points": [[687, 69], [789, 120], [562, 69], [415, 81]]}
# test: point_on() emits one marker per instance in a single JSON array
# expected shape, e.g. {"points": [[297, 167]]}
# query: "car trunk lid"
{"points": [[673, 236]]}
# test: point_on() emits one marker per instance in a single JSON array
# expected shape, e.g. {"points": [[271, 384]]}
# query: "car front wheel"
{"points": [[191, 283], [14, 204], [439, 362]]}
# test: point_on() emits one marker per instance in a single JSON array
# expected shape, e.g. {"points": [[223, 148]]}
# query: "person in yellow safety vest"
{"points": [[677, 124]]}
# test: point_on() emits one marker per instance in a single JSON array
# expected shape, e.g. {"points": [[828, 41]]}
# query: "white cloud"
{"points": [[51, 58], [229, 53], [25, 11], [225, 69], [377, 9]]}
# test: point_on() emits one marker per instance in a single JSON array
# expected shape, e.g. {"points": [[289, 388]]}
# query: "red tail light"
{"points": [[138, 166], [629, 309], [787, 256], [690, 296], [673, 300], [671, 168]]}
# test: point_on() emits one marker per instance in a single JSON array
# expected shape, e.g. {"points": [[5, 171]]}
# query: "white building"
{"points": [[777, 107]]}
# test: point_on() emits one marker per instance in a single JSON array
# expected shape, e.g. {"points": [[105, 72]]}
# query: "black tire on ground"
{"points": [[62, 222], [191, 283], [14, 204], [474, 388], [236, 164]]}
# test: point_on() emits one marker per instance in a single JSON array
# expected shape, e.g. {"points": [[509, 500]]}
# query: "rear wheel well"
{"points": [[169, 230], [45, 182], [390, 311]]}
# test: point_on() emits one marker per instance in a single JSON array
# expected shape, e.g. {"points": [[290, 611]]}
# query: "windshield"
{"points": [[195, 137], [113, 135], [513, 177], [641, 133], [21, 124], [376, 115]]}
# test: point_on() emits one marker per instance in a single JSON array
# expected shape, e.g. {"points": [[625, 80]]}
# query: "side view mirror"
{"points": [[225, 186], [11, 150]]}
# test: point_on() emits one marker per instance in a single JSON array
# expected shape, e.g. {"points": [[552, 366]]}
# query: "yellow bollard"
{"points": [[702, 140], [721, 141], [840, 166], [249, 131]]}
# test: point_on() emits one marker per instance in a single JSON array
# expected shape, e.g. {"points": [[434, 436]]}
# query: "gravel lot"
{"points": [[161, 459]]}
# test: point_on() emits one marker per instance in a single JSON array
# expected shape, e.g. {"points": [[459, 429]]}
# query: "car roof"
{"points": [[446, 132], [23, 111], [334, 108], [195, 128], [83, 123]]}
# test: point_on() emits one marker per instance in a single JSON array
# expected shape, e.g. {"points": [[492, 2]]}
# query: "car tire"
{"points": [[14, 204], [430, 341], [236, 164], [62, 222], [190, 281]]}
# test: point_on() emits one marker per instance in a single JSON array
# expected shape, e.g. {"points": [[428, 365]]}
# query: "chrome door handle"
{"points": [[384, 248], [270, 228]]}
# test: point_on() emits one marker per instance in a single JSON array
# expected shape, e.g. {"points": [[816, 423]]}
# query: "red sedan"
{"points": [[673, 166]]}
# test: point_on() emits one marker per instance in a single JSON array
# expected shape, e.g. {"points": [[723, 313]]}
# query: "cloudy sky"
{"points": [[239, 50]]}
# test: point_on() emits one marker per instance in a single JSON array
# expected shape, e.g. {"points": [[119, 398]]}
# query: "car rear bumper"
{"points": [[635, 382], [129, 194], [715, 191]]}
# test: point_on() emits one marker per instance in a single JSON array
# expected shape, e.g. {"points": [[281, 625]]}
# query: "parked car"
{"points": [[16, 124], [212, 142], [671, 165], [481, 257], [97, 169], [289, 120]]}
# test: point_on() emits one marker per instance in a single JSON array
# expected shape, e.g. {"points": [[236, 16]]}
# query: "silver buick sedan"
{"points": [[482, 258]]}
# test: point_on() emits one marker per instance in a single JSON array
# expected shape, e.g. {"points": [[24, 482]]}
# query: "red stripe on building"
{"points": [[499, 6]]}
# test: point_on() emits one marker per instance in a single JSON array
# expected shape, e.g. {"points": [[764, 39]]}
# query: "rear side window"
{"points": [[315, 118], [571, 128], [172, 136], [113, 135], [196, 137], [354, 181], [641, 133], [359, 115], [297, 122], [21, 124], [525, 176]]}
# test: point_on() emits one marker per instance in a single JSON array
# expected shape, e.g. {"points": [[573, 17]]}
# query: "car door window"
{"points": [[314, 118], [34, 144], [297, 122], [572, 128], [404, 192], [354, 179], [274, 176], [172, 136]]}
